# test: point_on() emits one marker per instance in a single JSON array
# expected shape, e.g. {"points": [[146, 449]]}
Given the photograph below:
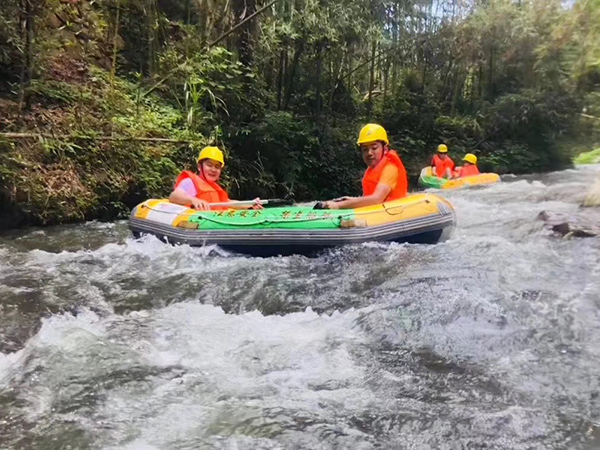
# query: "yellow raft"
{"points": [[422, 218], [427, 179]]}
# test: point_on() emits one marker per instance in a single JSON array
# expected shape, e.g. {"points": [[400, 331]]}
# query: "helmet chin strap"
{"points": [[385, 148]]}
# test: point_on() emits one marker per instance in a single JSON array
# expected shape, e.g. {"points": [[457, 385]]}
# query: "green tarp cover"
{"points": [[290, 218], [432, 182]]}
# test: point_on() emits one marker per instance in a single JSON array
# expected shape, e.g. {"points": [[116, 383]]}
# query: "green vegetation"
{"points": [[125, 92], [592, 157]]}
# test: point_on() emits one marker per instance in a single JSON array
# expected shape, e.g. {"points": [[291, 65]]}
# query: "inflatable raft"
{"points": [[427, 179], [423, 218]]}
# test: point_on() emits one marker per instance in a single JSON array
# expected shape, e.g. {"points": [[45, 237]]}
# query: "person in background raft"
{"points": [[441, 164], [198, 191], [469, 167], [385, 178]]}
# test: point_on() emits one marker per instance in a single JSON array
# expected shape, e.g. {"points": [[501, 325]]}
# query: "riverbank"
{"points": [[93, 145]]}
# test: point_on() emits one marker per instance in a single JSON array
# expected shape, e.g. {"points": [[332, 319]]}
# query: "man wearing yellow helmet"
{"points": [[469, 167], [199, 190], [441, 164], [385, 178]]}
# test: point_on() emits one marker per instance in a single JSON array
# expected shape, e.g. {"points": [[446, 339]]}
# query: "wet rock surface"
{"points": [[585, 223]]}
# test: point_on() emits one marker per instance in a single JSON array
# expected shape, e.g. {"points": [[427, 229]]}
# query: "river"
{"points": [[488, 340]]}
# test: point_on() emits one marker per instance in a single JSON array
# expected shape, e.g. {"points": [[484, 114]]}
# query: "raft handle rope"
{"points": [[387, 209]]}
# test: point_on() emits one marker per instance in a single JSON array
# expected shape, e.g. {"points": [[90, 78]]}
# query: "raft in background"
{"points": [[427, 179], [422, 218]]}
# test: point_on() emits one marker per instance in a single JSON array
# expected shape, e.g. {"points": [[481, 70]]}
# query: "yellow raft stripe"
{"points": [[411, 207], [142, 211], [148, 206]]}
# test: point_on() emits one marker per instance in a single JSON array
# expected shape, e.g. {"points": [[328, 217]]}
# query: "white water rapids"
{"points": [[489, 340]]}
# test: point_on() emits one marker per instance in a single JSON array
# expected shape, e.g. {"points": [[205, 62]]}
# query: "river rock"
{"points": [[585, 223]]}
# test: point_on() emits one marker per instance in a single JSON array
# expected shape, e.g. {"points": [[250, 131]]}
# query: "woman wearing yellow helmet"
{"points": [[441, 164], [385, 178], [469, 167], [199, 190]]}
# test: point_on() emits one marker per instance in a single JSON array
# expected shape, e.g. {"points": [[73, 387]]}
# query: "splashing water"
{"points": [[491, 339]]}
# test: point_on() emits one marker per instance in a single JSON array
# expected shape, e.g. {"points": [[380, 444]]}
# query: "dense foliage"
{"points": [[284, 91]]}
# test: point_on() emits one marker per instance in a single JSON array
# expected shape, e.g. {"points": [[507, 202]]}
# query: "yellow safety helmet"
{"points": [[372, 132], [442, 148], [470, 158], [211, 153]]}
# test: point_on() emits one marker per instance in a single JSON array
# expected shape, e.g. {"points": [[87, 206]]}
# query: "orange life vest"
{"points": [[372, 176], [468, 171], [205, 190], [441, 165]]}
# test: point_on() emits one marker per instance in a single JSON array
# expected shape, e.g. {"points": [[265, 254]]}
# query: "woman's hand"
{"points": [[199, 205], [257, 204]]}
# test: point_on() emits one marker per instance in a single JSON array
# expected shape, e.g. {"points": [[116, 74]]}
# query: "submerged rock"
{"points": [[585, 223]]}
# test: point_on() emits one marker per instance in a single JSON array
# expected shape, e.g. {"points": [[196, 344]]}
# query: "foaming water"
{"points": [[490, 339]]}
